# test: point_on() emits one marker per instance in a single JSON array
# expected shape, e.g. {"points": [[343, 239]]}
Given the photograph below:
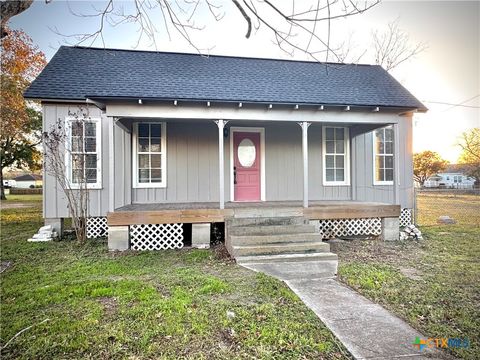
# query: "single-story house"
{"points": [[450, 180], [298, 149], [28, 181]]}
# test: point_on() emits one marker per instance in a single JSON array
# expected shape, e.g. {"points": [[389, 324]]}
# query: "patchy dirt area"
{"points": [[377, 251]]}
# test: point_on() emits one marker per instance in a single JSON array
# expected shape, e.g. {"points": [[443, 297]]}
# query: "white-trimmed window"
{"points": [[83, 155], [335, 144], [383, 144], [150, 151]]}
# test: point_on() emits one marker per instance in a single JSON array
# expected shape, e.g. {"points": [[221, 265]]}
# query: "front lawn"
{"points": [[432, 284], [84, 302]]}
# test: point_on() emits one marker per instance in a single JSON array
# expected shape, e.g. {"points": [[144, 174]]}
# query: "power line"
{"points": [[452, 105]]}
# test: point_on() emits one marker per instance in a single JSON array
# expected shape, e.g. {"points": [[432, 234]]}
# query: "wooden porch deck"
{"points": [[208, 212]]}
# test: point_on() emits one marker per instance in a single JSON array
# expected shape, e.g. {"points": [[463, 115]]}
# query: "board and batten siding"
{"points": [[192, 165]]}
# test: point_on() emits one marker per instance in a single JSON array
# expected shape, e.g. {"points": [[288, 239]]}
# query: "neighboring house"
{"points": [[451, 180], [28, 181], [183, 138]]}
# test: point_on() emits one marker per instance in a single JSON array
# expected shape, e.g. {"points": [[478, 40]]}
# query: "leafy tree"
{"points": [[426, 164], [20, 125], [470, 156]]}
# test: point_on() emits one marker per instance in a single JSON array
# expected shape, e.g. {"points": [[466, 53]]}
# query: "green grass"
{"points": [[432, 284], [165, 305], [23, 198]]}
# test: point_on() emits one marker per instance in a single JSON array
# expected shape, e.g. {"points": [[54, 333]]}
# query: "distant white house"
{"points": [[450, 181], [28, 181]]}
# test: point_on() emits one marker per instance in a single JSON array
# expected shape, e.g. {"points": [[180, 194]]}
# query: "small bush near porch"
{"points": [[432, 284], [143, 305]]}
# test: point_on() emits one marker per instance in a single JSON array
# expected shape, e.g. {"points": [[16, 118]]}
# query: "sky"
{"points": [[448, 71]]}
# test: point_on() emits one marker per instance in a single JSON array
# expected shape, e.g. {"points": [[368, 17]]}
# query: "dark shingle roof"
{"points": [[28, 177], [76, 73]]}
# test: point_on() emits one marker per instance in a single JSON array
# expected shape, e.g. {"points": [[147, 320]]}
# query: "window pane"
{"points": [[155, 130], [156, 161], [340, 175], [388, 174], [143, 176], [339, 161], [381, 162], [91, 175], [339, 147], [329, 174], [329, 161], [389, 162], [339, 134], [330, 147], [381, 148], [156, 175], [90, 129], [91, 161], [77, 144], [388, 134], [155, 145], [143, 130], [77, 176], [379, 135], [144, 161], [379, 174], [388, 148], [77, 161], [90, 144], [329, 133], [77, 128], [143, 145]]}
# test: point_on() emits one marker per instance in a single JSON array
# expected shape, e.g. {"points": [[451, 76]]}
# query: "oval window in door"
{"points": [[246, 153]]}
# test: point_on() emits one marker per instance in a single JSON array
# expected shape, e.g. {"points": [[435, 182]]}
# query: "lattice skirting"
{"points": [[97, 227], [350, 227], [406, 217], [156, 236]]}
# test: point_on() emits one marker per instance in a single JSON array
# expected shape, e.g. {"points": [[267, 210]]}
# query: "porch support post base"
{"points": [[390, 229], [56, 224], [118, 238], [201, 236]]}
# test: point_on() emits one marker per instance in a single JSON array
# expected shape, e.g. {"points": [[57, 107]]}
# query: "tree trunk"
{"points": [[2, 196]]}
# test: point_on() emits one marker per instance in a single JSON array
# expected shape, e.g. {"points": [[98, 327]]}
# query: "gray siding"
{"points": [[192, 166], [362, 168]]}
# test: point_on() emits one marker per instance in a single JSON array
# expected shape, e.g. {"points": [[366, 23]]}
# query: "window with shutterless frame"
{"points": [[336, 155], [149, 154], [83, 155], [383, 157]]}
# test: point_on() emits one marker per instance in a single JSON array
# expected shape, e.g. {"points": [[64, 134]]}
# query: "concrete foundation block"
{"points": [[201, 236], [118, 238], [390, 229], [54, 224]]}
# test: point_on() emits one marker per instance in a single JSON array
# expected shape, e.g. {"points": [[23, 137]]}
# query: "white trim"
{"points": [[374, 142], [68, 154], [111, 163], [346, 162], [261, 131], [163, 183]]}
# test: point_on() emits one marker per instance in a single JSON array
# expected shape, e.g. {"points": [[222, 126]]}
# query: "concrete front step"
{"points": [[266, 221], [289, 258], [240, 240], [280, 248], [299, 270], [272, 230]]}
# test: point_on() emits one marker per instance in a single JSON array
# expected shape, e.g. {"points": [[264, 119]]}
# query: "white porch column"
{"points": [[396, 165], [304, 125], [111, 163], [221, 165]]}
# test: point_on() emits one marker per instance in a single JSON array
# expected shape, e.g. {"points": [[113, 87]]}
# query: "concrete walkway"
{"points": [[366, 329]]}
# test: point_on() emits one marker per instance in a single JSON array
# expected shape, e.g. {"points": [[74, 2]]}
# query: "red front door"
{"points": [[246, 166]]}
